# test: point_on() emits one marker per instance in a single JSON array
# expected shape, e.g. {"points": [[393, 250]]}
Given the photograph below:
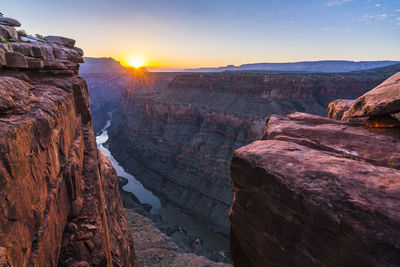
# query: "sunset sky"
{"points": [[207, 33]]}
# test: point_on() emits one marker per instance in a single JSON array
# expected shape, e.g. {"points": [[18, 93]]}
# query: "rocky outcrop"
{"points": [[382, 100], [59, 196], [317, 191], [178, 136]]}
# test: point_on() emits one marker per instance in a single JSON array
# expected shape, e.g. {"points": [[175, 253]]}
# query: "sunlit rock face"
{"points": [[177, 133], [320, 191], [59, 198]]}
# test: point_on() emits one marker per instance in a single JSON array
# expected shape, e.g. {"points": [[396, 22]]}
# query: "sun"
{"points": [[136, 62]]}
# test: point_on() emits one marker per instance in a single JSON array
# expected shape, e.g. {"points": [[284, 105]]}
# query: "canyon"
{"points": [[176, 133], [160, 169], [59, 196]]}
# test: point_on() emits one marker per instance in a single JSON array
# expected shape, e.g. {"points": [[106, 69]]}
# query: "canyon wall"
{"points": [[59, 195], [316, 191], [179, 140]]}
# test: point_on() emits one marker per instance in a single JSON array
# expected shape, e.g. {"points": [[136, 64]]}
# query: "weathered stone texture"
{"points": [[59, 199], [319, 192]]}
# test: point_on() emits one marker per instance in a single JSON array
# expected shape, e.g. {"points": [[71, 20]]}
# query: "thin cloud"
{"points": [[343, 29], [379, 16], [338, 2], [378, 5]]}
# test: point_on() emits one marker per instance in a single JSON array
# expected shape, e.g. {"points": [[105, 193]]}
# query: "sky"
{"points": [[211, 33]]}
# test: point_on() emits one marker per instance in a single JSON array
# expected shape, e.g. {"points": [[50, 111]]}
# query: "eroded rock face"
{"points": [[317, 191], [59, 197]]}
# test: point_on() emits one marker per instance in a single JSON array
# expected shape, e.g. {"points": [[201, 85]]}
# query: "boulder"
{"points": [[16, 60], [383, 99], [317, 192], [8, 32], [337, 108], [9, 22], [61, 40]]}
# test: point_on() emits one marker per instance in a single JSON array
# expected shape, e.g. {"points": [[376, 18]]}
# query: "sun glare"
{"points": [[136, 62]]}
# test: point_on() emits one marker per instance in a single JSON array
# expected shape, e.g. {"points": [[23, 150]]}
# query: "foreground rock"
{"points": [[153, 248], [317, 191], [59, 197]]}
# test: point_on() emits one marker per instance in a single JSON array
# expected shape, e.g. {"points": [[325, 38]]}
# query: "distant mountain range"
{"points": [[305, 66], [110, 65]]}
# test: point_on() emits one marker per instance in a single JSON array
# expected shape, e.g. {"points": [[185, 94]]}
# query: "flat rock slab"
{"points": [[317, 192], [61, 40], [383, 99], [9, 22], [343, 139]]}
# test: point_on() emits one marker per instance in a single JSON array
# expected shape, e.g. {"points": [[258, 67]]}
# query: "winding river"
{"points": [[172, 216]]}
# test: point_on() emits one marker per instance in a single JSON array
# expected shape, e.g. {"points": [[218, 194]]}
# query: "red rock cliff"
{"points": [[59, 198], [321, 192]]}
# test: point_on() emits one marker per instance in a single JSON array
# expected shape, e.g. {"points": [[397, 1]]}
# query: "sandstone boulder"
{"points": [[9, 22], [61, 40], [383, 99], [337, 108], [317, 192], [8, 32]]}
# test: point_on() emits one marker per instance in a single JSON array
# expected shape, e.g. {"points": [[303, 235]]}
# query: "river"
{"points": [[169, 214]]}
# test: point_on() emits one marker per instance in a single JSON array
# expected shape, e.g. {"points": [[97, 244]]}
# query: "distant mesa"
{"points": [[100, 65], [306, 66]]}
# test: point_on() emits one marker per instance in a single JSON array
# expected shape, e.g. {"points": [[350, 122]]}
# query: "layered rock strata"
{"points": [[179, 140], [319, 191], [59, 196]]}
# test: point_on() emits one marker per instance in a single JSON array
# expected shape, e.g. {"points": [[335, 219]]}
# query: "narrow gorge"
{"points": [[176, 133]]}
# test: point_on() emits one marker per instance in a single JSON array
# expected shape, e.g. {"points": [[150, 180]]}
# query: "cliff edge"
{"points": [[318, 191], [59, 195]]}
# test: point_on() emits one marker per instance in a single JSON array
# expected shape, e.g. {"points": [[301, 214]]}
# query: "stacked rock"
{"points": [[380, 106], [54, 54]]}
